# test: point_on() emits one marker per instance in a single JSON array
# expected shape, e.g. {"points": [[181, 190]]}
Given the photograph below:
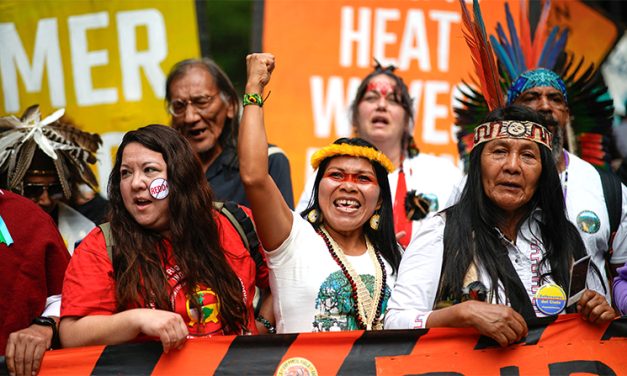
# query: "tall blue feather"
{"points": [[559, 47], [504, 42], [518, 57], [479, 19], [547, 50], [503, 57]]}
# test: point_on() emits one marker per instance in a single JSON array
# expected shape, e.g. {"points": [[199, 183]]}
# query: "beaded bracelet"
{"points": [[266, 324], [252, 99]]}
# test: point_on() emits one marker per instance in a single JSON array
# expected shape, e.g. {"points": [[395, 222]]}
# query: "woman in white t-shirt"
{"points": [[335, 269]]}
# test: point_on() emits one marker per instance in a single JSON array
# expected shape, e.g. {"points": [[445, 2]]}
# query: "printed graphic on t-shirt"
{"points": [[334, 304], [203, 321], [206, 321]]}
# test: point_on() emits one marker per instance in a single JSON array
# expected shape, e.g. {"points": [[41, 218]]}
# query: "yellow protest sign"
{"points": [[104, 61]]}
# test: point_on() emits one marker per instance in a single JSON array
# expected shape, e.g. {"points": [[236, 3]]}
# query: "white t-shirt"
{"points": [[413, 297], [435, 177], [309, 289]]}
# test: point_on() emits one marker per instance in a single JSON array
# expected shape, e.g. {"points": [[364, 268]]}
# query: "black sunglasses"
{"points": [[32, 190]]}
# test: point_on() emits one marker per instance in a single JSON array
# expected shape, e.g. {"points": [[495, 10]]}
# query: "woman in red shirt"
{"points": [[169, 276]]}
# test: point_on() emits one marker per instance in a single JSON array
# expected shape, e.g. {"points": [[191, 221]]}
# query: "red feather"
{"points": [[525, 34], [482, 57]]}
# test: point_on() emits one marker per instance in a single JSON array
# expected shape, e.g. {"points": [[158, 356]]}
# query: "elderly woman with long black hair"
{"points": [[173, 269], [503, 253]]}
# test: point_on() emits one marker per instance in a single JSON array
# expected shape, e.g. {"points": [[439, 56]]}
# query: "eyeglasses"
{"points": [[177, 107], [34, 191]]}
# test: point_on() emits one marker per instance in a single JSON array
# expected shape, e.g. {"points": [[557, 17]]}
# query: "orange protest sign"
{"points": [[566, 346], [325, 48]]}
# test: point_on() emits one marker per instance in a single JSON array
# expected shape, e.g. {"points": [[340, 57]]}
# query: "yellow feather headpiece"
{"points": [[353, 151]]}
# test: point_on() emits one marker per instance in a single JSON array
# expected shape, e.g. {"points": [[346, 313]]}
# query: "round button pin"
{"points": [[159, 188], [550, 299]]}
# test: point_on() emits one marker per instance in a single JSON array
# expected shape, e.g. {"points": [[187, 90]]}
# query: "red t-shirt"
{"points": [[89, 287], [31, 268]]}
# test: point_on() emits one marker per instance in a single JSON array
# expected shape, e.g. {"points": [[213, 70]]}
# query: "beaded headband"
{"points": [[353, 151], [535, 78], [512, 129]]}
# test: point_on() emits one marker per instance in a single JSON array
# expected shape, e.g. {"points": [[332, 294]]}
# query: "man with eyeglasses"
{"points": [[584, 193], [205, 108]]}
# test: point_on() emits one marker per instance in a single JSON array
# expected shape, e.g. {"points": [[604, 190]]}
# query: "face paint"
{"points": [[382, 87], [159, 188], [358, 178]]}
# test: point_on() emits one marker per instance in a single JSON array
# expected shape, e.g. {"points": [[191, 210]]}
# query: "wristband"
{"points": [[266, 324], [47, 321], [252, 99]]}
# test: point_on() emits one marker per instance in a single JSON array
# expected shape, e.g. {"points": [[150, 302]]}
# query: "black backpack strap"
{"points": [[612, 191], [109, 242], [244, 226]]}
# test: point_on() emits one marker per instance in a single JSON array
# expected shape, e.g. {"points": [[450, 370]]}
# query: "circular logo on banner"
{"points": [[550, 299], [588, 221], [159, 188], [297, 366]]}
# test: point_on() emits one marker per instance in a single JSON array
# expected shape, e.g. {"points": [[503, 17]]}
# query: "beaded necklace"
{"points": [[367, 308]]}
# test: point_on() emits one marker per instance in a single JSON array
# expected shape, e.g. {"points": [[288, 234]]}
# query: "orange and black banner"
{"points": [[563, 347]]}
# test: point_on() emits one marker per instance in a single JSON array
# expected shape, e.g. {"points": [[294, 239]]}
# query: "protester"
{"points": [[205, 108], [48, 161], [582, 185], [382, 113], [494, 259], [336, 266], [32, 263], [176, 268], [573, 96]]}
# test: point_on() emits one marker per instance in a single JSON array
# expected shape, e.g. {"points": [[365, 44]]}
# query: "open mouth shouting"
{"points": [[347, 205], [380, 121]]}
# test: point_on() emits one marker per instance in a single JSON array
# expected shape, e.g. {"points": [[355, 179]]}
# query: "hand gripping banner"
{"points": [[562, 347]]}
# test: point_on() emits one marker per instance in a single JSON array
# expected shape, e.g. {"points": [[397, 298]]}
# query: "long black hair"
{"points": [[139, 252], [470, 234], [383, 239]]}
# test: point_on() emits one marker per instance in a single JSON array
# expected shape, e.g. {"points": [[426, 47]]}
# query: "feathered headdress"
{"points": [[485, 92], [587, 94], [71, 150]]}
